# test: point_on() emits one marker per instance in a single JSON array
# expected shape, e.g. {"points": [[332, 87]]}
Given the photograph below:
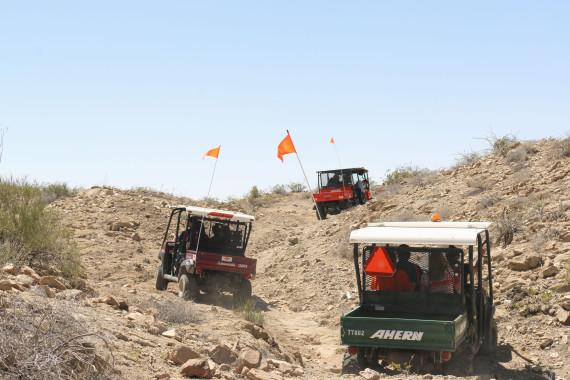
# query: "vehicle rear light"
{"points": [[352, 350], [446, 356], [198, 271], [248, 276]]}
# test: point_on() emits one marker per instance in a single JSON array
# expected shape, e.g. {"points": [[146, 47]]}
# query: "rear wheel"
{"points": [[353, 364], [161, 283], [321, 213], [489, 345], [243, 292], [188, 287]]}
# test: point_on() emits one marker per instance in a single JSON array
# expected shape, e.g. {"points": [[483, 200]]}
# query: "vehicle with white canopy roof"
{"points": [[425, 292], [204, 250]]}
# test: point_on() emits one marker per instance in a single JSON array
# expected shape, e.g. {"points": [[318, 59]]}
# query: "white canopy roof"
{"points": [[214, 213], [438, 233]]}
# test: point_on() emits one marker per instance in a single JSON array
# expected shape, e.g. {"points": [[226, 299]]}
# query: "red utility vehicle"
{"points": [[204, 250], [340, 189]]}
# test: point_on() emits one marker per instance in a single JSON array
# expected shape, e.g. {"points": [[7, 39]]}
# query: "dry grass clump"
{"points": [[466, 158], [502, 145], [40, 341], [248, 311], [562, 146], [488, 201], [400, 173], [506, 227], [32, 233], [172, 311]]}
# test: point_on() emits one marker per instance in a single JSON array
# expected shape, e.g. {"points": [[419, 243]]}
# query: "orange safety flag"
{"points": [[213, 152], [285, 147], [332, 140]]}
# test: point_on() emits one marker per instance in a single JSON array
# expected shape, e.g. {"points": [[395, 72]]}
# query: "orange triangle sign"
{"points": [[379, 263]]}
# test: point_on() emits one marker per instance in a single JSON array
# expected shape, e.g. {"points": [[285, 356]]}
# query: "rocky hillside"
{"points": [[306, 279]]}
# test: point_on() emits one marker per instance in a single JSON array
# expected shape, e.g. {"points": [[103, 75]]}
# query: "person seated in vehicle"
{"points": [[454, 260], [439, 278], [413, 271], [334, 182], [399, 281], [198, 232], [219, 238]]}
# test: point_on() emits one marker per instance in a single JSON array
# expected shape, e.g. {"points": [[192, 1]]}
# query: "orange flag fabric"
{"points": [[213, 152], [285, 147], [332, 140]]}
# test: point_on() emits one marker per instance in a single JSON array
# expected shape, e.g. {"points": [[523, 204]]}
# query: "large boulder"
{"points": [[196, 368], [181, 354], [525, 263], [52, 282], [222, 355], [250, 357]]}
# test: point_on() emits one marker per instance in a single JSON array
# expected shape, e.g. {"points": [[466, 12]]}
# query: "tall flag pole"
{"points": [[211, 153], [285, 147], [339, 165]]}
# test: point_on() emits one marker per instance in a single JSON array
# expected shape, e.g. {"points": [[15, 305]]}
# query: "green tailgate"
{"points": [[372, 328]]}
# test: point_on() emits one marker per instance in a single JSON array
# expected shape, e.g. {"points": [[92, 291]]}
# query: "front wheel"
{"points": [[243, 292], [188, 287], [161, 283]]}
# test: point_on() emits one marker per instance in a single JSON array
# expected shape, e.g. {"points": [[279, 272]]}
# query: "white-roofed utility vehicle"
{"points": [[204, 250], [426, 295]]}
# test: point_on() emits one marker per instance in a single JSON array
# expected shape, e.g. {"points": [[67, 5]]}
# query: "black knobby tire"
{"points": [[321, 213], [489, 345], [161, 283], [352, 365], [243, 291], [188, 287]]}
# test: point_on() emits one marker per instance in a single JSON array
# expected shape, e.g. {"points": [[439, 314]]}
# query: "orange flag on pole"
{"points": [[213, 152], [285, 147], [332, 140]]}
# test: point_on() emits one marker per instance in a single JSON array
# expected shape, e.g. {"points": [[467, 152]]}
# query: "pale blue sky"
{"points": [[133, 93]]}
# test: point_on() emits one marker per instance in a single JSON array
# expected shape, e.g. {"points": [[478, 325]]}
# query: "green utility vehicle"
{"points": [[426, 295]]}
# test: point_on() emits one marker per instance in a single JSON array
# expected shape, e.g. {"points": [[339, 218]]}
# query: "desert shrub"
{"points": [[506, 227], [479, 185], [175, 311], [400, 173], [254, 193], [488, 201], [296, 187], [466, 158], [502, 145], [40, 341], [279, 190], [54, 191], [32, 233], [516, 155], [248, 312], [562, 147]]}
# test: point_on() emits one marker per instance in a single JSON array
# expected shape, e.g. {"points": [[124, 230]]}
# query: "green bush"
{"points": [[402, 172], [279, 189], [295, 187], [247, 311], [54, 191], [32, 233]]}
